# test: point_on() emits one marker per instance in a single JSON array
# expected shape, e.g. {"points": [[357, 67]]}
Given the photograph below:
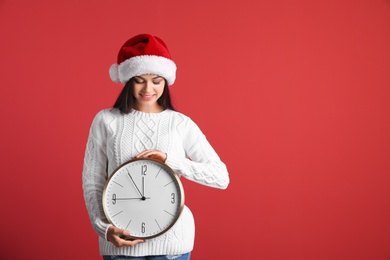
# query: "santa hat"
{"points": [[143, 54]]}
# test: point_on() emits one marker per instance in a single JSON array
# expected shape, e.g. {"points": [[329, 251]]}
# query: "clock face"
{"points": [[143, 196]]}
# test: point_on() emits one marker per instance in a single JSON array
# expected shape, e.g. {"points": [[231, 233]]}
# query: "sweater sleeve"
{"points": [[202, 164], [94, 174]]}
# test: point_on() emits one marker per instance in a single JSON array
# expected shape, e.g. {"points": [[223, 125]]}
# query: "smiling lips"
{"points": [[147, 97]]}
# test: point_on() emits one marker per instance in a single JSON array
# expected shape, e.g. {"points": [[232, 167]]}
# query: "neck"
{"points": [[149, 109]]}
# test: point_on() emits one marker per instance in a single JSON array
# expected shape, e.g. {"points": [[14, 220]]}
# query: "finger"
{"points": [[148, 154], [159, 157], [123, 233], [115, 234], [121, 241], [133, 242], [143, 154], [153, 154]]}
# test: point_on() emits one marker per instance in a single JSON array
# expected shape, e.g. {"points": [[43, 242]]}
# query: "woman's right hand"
{"points": [[118, 236]]}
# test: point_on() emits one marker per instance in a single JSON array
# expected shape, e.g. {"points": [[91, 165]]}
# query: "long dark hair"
{"points": [[125, 101]]}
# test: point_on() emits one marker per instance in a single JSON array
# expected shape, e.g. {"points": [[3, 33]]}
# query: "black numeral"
{"points": [[144, 168], [143, 227], [173, 198], [114, 198]]}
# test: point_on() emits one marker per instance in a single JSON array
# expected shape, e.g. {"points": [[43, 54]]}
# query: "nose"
{"points": [[148, 86]]}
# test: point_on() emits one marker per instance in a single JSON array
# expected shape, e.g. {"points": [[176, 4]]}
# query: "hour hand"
{"points": [[129, 198]]}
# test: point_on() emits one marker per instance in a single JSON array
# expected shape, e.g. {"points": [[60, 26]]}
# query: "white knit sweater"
{"points": [[116, 138]]}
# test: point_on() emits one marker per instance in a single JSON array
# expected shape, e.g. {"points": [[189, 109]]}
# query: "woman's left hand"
{"points": [[153, 154]]}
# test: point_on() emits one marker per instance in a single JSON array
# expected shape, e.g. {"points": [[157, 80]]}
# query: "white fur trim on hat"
{"points": [[144, 64], [114, 74]]}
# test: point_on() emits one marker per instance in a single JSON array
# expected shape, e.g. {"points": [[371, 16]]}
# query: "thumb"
{"points": [[125, 232]]}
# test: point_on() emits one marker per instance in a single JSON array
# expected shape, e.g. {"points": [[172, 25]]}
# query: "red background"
{"points": [[293, 95]]}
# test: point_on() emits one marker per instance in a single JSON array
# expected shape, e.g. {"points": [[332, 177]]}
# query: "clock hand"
{"points": [[128, 173], [144, 168], [131, 198], [143, 186]]}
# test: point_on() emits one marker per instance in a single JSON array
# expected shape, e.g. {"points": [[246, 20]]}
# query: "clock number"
{"points": [[173, 198], [144, 168], [114, 198], [143, 227]]}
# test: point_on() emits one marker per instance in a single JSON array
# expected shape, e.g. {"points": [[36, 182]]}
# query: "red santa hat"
{"points": [[143, 54]]}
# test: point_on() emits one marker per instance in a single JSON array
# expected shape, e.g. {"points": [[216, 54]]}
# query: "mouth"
{"points": [[147, 97]]}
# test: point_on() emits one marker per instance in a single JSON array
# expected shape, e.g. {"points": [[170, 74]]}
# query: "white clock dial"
{"points": [[143, 196]]}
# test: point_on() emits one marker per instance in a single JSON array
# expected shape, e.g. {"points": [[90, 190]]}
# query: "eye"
{"points": [[157, 82], [138, 80]]}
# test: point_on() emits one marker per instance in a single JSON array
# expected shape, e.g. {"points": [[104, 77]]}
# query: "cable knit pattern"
{"points": [[116, 138]]}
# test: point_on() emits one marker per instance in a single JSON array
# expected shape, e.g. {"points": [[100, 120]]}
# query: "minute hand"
{"points": [[131, 178]]}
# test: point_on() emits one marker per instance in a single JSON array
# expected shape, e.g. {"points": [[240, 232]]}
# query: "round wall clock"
{"points": [[144, 196]]}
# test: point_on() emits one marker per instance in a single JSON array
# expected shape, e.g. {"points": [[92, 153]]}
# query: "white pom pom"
{"points": [[114, 73]]}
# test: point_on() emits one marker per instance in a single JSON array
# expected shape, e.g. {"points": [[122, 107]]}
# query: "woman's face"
{"points": [[148, 89]]}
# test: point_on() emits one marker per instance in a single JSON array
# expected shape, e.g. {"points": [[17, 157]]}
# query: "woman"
{"points": [[143, 124]]}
